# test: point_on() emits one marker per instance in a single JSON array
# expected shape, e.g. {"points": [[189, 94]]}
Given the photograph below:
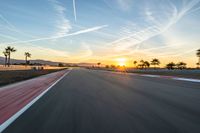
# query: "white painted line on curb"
{"points": [[21, 111], [148, 75], [174, 78], [159, 76], [188, 79]]}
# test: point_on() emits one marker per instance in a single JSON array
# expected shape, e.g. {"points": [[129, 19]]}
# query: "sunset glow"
{"points": [[121, 61]]}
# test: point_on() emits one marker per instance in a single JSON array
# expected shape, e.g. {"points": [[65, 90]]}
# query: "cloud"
{"points": [[61, 36], [7, 37], [157, 20], [90, 30], [124, 5], [134, 36], [83, 54], [36, 51], [172, 54], [62, 23], [9, 26], [74, 7], [50, 51]]}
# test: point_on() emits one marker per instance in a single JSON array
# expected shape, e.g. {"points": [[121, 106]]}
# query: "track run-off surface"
{"points": [[89, 101], [13, 98]]}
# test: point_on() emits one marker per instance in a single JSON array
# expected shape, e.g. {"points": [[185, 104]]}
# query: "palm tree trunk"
{"points": [[26, 60], [5, 61], [199, 62], [9, 60]]}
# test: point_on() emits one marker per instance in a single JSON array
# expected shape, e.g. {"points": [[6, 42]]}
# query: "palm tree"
{"points": [[181, 65], [6, 57], [141, 65], [107, 66], [198, 55], [113, 66], [170, 65], [99, 63], [198, 64], [27, 55], [135, 62], [146, 64], [155, 62], [10, 49]]}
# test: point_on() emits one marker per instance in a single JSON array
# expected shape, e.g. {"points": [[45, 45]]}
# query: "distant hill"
{"points": [[86, 64], [45, 62]]}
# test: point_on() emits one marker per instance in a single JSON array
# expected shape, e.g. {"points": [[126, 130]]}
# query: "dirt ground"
{"points": [[7, 77]]}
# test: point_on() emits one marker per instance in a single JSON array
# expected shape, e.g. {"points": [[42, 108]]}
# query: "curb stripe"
{"points": [[188, 79], [159, 76], [171, 77], [21, 111]]}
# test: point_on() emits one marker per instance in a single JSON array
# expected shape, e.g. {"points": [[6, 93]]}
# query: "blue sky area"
{"points": [[102, 30]]}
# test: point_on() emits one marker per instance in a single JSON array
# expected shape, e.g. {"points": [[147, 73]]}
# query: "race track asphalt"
{"points": [[91, 101]]}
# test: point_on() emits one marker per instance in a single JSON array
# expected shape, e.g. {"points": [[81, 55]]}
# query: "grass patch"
{"points": [[8, 77]]}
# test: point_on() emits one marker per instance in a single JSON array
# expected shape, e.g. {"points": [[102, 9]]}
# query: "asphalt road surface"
{"points": [[89, 101]]}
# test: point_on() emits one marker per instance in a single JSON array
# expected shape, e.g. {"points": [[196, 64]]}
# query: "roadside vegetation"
{"points": [[10, 75], [27, 55], [7, 59], [141, 66], [7, 54], [178, 69], [20, 75], [198, 55]]}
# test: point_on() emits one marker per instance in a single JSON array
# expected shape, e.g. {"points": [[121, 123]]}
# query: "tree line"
{"points": [[142, 64], [7, 54], [155, 62]]}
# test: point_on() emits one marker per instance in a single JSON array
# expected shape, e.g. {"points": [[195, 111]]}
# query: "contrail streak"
{"points": [[74, 6], [56, 37], [11, 27]]}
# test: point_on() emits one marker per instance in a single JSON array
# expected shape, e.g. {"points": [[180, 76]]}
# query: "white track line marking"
{"points": [[158, 76], [148, 75], [171, 77], [21, 111], [187, 79]]}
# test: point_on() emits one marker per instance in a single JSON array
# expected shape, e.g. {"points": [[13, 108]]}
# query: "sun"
{"points": [[121, 61]]}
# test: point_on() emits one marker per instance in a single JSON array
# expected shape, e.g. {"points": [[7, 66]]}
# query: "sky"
{"points": [[103, 31]]}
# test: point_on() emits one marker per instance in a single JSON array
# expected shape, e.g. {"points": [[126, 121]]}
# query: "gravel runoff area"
{"points": [[7, 77]]}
